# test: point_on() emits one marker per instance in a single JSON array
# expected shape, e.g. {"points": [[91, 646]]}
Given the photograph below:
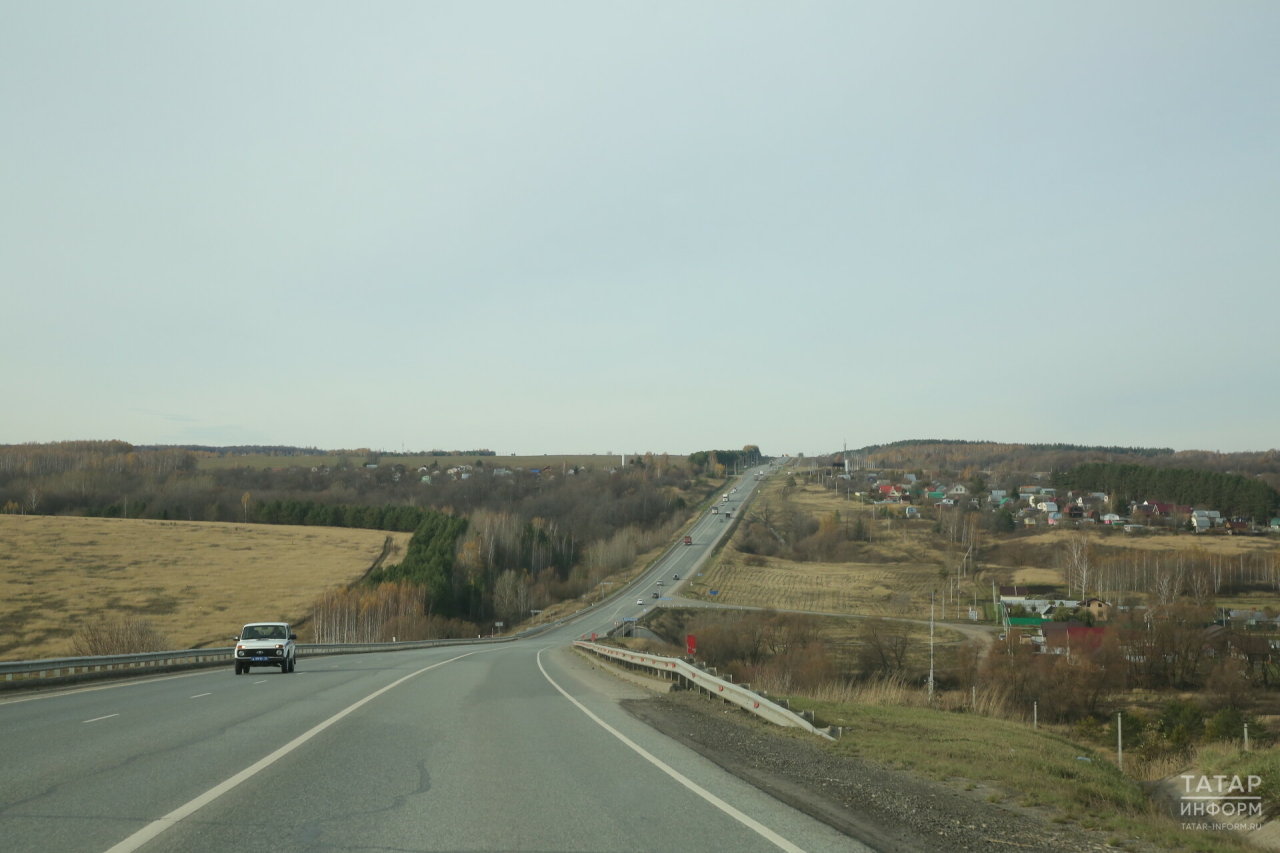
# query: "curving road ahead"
{"points": [[513, 747]]}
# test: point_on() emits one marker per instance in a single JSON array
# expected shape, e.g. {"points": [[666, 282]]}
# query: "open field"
{"points": [[260, 460], [196, 581], [899, 589], [1210, 544], [905, 569]]}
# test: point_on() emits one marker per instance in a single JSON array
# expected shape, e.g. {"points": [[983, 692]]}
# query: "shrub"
{"points": [[123, 635]]}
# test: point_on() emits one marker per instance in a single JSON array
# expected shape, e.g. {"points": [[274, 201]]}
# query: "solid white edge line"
{"points": [[151, 830], [95, 719], [198, 695], [711, 798]]}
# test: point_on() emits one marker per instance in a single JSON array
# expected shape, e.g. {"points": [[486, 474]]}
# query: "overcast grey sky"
{"points": [[579, 227]]}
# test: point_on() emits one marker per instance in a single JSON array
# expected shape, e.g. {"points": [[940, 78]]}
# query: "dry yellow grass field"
{"points": [[896, 586], [875, 589], [1038, 576], [196, 581], [1210, 544]]}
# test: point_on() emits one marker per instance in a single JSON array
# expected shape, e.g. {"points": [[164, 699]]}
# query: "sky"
{"points": [[589, 227]]}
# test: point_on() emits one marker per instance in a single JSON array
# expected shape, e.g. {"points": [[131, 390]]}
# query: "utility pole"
{"points": [[931, 648], [1120, 741]]}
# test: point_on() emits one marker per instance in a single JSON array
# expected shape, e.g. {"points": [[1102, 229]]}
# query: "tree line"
{"points": [[1230, 494]]}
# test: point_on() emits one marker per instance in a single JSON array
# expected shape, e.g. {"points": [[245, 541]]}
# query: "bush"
{"points": [[1089, 728], [124, 635], [1227, 724]]}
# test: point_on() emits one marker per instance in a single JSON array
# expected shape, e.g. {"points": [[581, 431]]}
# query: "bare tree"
{"points": [[883, 646], [1078, 562], [33, 500]]}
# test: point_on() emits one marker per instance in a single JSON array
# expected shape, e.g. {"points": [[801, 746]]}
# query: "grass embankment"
{"points": [[195, 581], [1016, 765]]}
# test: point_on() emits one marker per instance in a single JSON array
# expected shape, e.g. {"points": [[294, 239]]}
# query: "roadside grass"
{"points": [[1229, 759], [1024, 767], [195, 581], [262, 460]]}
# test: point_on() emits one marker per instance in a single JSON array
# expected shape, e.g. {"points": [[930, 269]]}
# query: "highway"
{"points": [[510, 747]]}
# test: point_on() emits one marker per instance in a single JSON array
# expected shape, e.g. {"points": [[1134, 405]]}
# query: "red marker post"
{"points": [[691, 643]]}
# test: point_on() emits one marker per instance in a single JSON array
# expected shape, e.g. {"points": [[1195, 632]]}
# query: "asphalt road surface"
{"points": [[513, 747]]}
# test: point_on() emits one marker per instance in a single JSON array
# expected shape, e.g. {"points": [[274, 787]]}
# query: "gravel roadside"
{"points": [[891, 811]]}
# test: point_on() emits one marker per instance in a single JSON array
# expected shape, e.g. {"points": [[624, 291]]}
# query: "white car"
{"points": [[640, 601], [266, 644]]}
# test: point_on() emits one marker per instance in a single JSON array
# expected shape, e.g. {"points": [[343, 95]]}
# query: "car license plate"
{"points": [[259, 658]]}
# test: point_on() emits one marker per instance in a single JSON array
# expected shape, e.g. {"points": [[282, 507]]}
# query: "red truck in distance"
{"points": [[688, 540]]}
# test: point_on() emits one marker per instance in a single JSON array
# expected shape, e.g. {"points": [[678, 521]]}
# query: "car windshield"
{"points": [[263, 632]]}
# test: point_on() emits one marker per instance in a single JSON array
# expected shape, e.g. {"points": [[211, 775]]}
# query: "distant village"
{"points": [[1036, 505]]}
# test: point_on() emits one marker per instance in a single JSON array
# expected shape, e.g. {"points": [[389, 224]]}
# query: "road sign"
{"points": [[499, 624], [691, 644], [714, 592]]}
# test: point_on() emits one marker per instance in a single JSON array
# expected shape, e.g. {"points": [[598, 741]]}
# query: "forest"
{"points": [[965, 458], [1231, 494]]}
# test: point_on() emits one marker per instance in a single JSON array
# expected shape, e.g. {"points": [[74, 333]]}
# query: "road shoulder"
{"points": [[888, 810]]}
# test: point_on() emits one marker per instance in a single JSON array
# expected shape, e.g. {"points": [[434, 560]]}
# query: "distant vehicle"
{"points": [[734, 489], [659, 583], [724, 498], [675, 577], [266, 644], [640, 601], [655, 595], [715, 510], [688, 540]]}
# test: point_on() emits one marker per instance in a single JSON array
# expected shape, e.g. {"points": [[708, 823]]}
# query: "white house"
{"points": [[958, 490]]}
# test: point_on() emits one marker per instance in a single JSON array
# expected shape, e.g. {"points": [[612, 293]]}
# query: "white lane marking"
{"points": [[107, 717], [711, 798], [263, 681], [151, 830], [198, 695], [130, 683]]}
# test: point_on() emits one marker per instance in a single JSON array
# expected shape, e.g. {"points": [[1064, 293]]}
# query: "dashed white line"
{"points": [[263, 681], [198, 695], [151, 830], [107, 717]]}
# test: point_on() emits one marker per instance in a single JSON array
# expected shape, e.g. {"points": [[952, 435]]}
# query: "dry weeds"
{"points": [[196, 582]]}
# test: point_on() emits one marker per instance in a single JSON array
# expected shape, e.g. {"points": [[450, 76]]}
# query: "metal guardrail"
{"points": [[700, 679], [29, 671]]}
